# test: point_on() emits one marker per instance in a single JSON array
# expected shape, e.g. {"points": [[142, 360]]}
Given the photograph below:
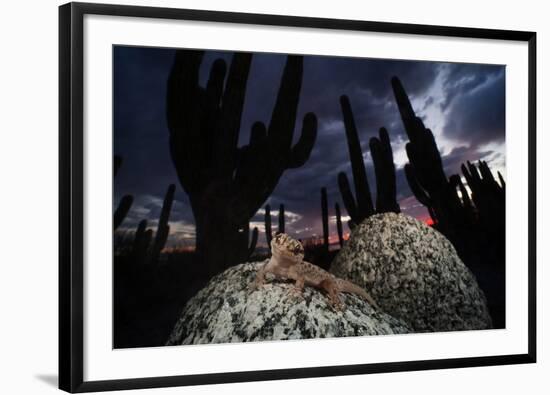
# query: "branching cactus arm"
{"points": [[227, 184]]}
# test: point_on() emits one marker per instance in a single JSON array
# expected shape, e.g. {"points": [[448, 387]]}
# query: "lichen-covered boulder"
{"points": [[414, 273], [227, 310]]}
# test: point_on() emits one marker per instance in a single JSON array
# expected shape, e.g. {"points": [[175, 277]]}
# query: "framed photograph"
{"points": [[251, 197]]}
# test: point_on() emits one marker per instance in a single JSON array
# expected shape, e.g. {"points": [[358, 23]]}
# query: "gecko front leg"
{"points": [[294, 273], [299, 286]]}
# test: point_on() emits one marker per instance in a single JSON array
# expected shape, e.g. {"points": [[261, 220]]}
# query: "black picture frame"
{"points": [[71, 197]]}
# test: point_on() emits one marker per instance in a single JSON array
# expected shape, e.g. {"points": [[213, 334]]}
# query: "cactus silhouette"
{"points": [[122, 210], [142, 241], [468, 208], [339, 224], [324, 211], [125, 202], [227, 184], [163, 229], [488, 196], [281, 218], [267, 223], [475, 224], [424, 171], [384, 169], [253, 242], [361, 206]]}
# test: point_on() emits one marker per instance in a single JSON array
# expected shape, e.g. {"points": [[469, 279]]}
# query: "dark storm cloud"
{"points": [[141, 133], [463, 78], [140, 136], [476, 111], [366, 82]]}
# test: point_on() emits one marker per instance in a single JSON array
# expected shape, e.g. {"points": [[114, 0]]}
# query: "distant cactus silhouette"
{"points": [[467, 207], [324, 211], [267, 225], [142, 241], [253, 242], [282, 218], [122, 210], [267, 222], [361, 206], [163, 229], [339, 224], [227, 184], [488, 196], [126, 201]]}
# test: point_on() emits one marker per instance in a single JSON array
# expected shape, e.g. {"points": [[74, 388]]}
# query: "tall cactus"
{"points": [[339, 224], [281, 218], [267, 222], [424, 171], [125, 202], [475, 225], [142, 240], [324, 211], [163, 228], [227, 184], [458, 217], [361, 206], [122, 210], [253, 242], [384, 169]]}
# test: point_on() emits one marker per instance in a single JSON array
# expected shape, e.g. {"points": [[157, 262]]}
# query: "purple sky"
{"points": [[463, 104]]}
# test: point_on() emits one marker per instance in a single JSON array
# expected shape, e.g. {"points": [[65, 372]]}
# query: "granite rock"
{"points": [[414, 273], [227, 310]]}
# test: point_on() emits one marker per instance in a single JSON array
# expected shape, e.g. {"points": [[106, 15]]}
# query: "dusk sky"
{"points": [[463, 105]]}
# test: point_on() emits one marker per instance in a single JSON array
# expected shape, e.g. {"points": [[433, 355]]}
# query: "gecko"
{"points": [[287, 262]]}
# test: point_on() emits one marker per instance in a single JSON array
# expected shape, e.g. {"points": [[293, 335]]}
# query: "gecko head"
{"points": [[287, 250]]}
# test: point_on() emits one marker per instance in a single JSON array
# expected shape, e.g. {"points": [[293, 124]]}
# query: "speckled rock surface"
{"points": [[226, 310], [414, 273]]}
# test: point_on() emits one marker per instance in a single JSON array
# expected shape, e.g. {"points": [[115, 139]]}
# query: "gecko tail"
{"points": [[349, 287]]}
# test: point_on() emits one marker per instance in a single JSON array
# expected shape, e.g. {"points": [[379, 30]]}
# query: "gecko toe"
{"points": [[297, 293]]}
